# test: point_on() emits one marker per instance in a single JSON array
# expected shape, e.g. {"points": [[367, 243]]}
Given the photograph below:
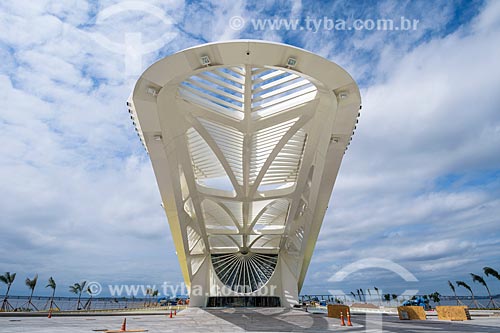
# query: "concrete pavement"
{"points": [[240, 320]]}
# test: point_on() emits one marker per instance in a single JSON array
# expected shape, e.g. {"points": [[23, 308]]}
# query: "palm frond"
{"points": [[74, 288], [490, 271], [463, 284], [52, 283], [477, 278], [31, 283], [8, 278]]}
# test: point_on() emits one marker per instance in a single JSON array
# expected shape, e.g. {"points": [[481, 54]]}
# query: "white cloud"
{"points": [[432, 113]]}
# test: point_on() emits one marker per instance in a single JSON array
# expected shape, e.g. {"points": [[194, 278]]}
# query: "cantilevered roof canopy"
{"points": [[246, 139]]}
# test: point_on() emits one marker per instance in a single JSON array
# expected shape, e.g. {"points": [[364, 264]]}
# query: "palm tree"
{"points": [[435, 297], [452, 287], [479, 279], [78, 288], [8, 279], [52, 285], [155, 294], [466, 286], [148, 293], [88, 304], [31, 283], [378, 295], [490, 271]]}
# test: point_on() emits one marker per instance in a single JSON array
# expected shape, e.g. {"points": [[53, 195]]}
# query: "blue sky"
{"points": [[419, 184]]}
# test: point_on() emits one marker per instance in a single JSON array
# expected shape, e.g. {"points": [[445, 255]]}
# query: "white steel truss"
{"points": [[246, 139]]}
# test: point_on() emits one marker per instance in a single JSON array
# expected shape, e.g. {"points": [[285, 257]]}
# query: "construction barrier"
{"points": [[455, 312], [334, 310], [411, 313]]}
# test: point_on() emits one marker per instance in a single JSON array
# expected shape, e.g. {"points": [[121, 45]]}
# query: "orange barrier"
{"points": [[334, 310], [455, 312], [411, 313]]}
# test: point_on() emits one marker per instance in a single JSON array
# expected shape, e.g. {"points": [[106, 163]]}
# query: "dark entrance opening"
{"points": [[244, 301]]}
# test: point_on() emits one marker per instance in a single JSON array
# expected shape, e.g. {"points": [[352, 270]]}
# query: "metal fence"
{"points": [[42, 303]]}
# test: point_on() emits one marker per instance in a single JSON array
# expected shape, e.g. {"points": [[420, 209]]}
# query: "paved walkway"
{"points": [[238, 320]]}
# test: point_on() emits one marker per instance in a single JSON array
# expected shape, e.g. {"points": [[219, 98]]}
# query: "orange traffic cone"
{"points": [[50, 314], [170, 313], [342, 322], [124, 325], [175, 312], [349, 318]]}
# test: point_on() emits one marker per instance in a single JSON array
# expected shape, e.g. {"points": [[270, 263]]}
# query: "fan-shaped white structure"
{"points": [[246, 140]]}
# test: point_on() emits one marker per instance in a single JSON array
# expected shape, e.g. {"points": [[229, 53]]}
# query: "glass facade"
{"points": [[244, 272], [244, 301]]}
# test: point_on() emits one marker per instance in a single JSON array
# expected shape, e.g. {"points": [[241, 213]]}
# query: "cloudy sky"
{"points": [[419, 184]]}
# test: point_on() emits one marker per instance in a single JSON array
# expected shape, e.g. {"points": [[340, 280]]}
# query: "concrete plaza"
{"points": [[240, 320]]}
